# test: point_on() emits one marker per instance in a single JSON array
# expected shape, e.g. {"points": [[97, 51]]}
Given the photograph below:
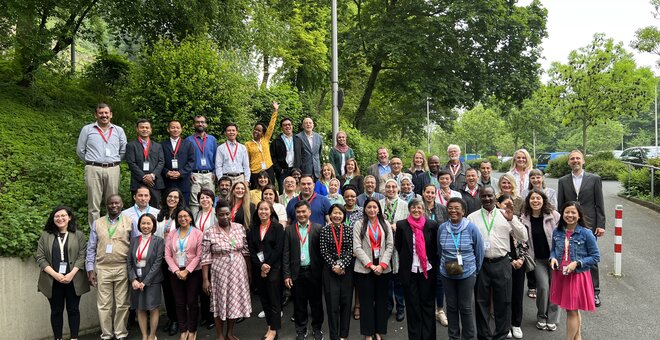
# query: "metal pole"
{"points": [[534, 143], [335, 76], [428, 126]]}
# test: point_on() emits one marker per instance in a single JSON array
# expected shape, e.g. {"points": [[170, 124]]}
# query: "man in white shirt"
{"points": [[142, 197], [494, 278], [231, 158]]}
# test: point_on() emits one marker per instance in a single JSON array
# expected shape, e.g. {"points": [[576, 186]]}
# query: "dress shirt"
{"points": [[174, 142], [304, 247], [288, 143], [384, 170], [90, 256], [93, 148], [577, 182], [209, 151], [135, 213], [238, 165], [498, 237], [416, 265], [310, 139]]}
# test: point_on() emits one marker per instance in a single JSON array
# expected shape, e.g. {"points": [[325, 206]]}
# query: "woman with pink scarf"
{"points": [[415, 240], [340, 154]]}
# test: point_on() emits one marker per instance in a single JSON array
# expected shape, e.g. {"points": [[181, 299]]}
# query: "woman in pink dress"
{"points": [[573, 253], [225, 276]]}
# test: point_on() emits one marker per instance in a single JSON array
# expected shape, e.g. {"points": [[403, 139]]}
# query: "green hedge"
{"points": [[504, 166], [558, 167], [606, 169], [637, 182]]}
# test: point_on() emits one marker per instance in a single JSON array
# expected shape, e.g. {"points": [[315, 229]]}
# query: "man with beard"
{"points": [[205, 146], [456, 167], [224, 186]]}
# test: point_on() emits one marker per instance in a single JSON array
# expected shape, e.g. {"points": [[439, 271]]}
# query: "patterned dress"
{"points": [[230, 291]]}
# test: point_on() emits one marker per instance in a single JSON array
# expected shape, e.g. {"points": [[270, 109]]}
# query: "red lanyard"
{"points": [[232, 157], [341, 235], [302, 240], [263, 232], [176, 150], [374, 235], [473, 193], [140, 252], [454, 172], [203, 145], [201, 226], [441, 197], [234, 210], [310, 200], [145, 152], [102, 135]]}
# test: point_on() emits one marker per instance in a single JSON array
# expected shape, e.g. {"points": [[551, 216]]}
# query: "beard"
{"points": [[199, 129]]}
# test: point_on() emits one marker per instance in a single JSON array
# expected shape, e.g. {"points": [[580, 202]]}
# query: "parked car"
{"points": [[639, 154], [617, 154], [543, 159]]}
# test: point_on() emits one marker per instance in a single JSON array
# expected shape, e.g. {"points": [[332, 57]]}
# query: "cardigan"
{"points": [[76, 251]]}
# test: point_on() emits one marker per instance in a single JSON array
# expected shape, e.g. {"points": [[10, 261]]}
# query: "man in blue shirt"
{"points": [[319, 203], [205, 147]]}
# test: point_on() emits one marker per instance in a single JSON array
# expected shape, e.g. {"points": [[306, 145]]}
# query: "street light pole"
{"points": [[335, 76], [428, 125]]}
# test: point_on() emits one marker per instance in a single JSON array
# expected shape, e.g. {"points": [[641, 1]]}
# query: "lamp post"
{"points": [[428, 125], [335, 76]]}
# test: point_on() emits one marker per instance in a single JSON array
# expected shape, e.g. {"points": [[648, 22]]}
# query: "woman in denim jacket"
{"points": [[573, 253]]}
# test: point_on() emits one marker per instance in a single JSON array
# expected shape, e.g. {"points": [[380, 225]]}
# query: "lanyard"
{"points": [[489, 227], [141, 252], [176, 149], [473, 193], [288, 144], [455, 172], [260, 147], [201, 146], [111, 231], [310, 200], [62, 242], [302, 240], [263, 230], [145, 150], [389, 210], [103, 135], [234, 210], [441, 197], [137, 212], [341, 235], [457, 241], [203, 224], [374, 235], [566, 246], [232, 157], [182, 243]]}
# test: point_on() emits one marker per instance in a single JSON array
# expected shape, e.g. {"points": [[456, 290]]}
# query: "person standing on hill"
{"points": [[145, 160], [101, 145]]}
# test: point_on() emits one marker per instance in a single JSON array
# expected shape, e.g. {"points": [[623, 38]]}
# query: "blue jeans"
{"points": [[395, 289]]}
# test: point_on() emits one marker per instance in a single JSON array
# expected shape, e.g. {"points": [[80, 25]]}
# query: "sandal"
{"points": [[356, 313], [531, 293]]}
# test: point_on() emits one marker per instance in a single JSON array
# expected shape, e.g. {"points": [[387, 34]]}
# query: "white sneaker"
{"points": [[509, 336], [441, 317], [261, 315], [517, 332]]}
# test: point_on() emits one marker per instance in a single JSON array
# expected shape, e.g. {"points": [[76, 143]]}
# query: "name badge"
{"points": [[139, 272], [564, 270], [377, 253], [203, 161], [108, 248], [62, 269], [303, 257], [145, 166], [107, 152], [486, 245], [181, 259], [260, 255], [263, 165], [175, 163], [415, 261], [231, 256], [459, 258]]}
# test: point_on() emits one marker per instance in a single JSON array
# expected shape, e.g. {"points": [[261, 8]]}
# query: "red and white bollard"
{"points": [[618, 232]]}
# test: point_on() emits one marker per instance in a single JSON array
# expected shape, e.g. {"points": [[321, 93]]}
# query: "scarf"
{"points": [[417, 227], [341, 149]]}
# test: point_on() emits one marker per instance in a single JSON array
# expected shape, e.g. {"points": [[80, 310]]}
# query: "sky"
{"points": [[572, 24]]}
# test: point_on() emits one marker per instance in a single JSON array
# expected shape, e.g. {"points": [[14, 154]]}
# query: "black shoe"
{"points": [[318, 334], [167, 325], [174, 329], [301, 336], [286, 301], [400, 316], [210, 325], [597, 300], [203, 322], [239, 320]]}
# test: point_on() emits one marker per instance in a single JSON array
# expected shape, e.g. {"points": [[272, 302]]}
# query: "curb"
{"points": [[644, 203]]}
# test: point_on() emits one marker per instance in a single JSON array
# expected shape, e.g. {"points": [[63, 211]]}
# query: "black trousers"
{"points": [[338, 291], [420, 305], [493, 277], [372, 291], [517, 294], [306, 290], [460, 307], [205, 306], [168, 294], [531, 280], [186, 294], [64, 294], [270, 295]]}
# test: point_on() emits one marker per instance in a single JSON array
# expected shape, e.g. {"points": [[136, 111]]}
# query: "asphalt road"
{"points": [[630, 304]]}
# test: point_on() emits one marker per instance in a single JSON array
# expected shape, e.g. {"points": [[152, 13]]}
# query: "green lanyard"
{"points": [[489, 227], [390, 212], [111, 231]]}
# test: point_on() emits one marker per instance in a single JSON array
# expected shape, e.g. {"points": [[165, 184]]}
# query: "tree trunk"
{"points": [[368, 91], [266, 71], [321, 104], [73, 56]]}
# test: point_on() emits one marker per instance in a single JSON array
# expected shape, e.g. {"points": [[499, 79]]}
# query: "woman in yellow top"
{"points": [[258, 149]]}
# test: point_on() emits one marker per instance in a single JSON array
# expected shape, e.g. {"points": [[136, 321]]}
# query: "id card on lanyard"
{"points": [[62, 243]]}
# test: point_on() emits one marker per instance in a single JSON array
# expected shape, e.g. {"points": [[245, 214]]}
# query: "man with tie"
{"points": [[145, 161], [179, 160]]}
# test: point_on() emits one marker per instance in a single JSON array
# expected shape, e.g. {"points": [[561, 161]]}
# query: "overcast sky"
{"points": [[572, 24]]}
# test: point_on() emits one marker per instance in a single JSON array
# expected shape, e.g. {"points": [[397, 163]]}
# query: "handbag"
{"points": [[529, 263]]}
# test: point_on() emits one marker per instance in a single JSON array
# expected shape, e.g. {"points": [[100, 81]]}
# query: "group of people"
{"points": [[431, 244]]}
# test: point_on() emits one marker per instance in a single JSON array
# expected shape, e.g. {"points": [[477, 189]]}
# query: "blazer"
{"points": [[306, 158], [76, 248], [278, 154], [186, 163], [403, 242], [193, 250], [590, 198], [357, 181], [135, 159], [373, 171], [458, 181], [364, 253], [291, 256], [151, 273], [272, 245]]}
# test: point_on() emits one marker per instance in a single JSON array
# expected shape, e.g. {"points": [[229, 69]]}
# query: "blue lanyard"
{"points": [[289, 145], [182, 243], [375, 232], [137, 212], [457, 241]]}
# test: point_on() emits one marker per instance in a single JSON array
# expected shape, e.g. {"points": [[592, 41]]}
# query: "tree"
{"points": [[478, 129], [600, 82], [647, 39]]}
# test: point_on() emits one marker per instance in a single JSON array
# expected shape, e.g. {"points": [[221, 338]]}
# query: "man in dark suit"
{"points": [[145, 160], [179, 160], [301, 266], [308, 150], [587, 189], [282, 151]]}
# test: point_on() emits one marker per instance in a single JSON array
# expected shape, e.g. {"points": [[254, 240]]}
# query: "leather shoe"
{"points": [[597, 300], [174, 329], [167, 325], [400, 316], [286, 301], [210, 325]]}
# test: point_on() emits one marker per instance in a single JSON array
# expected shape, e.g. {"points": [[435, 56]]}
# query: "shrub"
{"points": [[637, 182], [558, 167], [606, 169], [107, 74], [504, 166], [494, 161], [602, 156]]}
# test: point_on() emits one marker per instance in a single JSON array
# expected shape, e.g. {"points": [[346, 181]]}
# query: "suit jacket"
{"points": [[135, 159], [357, 181], [186, 163], [278, 154], [291, 256], [151, 273], [373, 171], [76, 248], [458, 181], [590, 198], [272, 245], [403, 242], [306, 158]]}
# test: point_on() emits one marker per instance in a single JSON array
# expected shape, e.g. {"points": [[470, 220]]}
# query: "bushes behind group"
{"points": [[637, 182]]}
